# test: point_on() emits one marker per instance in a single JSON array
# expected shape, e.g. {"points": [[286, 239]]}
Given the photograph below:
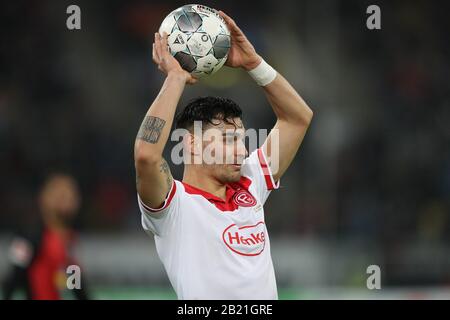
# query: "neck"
{"points": [[54, 224], [204, 182]]}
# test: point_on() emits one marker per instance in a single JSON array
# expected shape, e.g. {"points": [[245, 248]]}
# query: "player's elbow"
{"points": [[145, 158], [303, 118], [307, 117]]}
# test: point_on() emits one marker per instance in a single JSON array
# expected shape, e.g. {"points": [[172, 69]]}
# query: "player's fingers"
{"points": [[155, 55], [230, 23], [162, 49], [192, 80], [224, 16], [158, 46], [164, 45]]}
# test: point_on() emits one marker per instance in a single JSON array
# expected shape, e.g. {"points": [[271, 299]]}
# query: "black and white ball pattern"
{"points": [[198, 38]]}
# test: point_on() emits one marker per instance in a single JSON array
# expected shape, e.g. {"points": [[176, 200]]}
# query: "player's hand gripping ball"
{"points": [[198, 38]]}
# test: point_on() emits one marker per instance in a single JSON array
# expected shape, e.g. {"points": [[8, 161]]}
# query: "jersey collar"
{"points": [[231, 189], [193, 190]]}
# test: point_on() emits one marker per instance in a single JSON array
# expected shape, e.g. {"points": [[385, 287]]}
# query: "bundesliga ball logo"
{"points": [[198, 38]]}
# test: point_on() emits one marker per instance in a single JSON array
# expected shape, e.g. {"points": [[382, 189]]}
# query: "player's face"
{"points": [[225, 144], [60, 198]]}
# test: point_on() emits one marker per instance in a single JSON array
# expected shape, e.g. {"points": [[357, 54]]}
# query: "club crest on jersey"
{"points": [[243, 198], [245, 240]]}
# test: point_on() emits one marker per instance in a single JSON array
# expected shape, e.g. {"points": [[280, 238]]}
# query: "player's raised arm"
{"points": [[293, 114], [153, 177], [293, 119]]}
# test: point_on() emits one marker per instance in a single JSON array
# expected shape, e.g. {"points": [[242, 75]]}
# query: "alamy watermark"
{"points": [[73, 21], [213, 146], [73, 277], [373, 22], [374, 280]]}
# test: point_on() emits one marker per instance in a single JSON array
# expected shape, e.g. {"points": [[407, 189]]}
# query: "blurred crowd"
{"points": [[375, 165]]}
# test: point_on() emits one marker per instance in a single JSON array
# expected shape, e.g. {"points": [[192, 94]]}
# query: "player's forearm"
{"points": [[155, 128], [293, 119], [286, 103]]}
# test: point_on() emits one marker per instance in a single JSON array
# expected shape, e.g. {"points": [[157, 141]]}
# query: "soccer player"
{"points": [[209, 228], [39, 258]]}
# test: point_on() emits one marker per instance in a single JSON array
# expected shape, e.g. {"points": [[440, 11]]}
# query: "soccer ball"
{"points": [[198, 38]]}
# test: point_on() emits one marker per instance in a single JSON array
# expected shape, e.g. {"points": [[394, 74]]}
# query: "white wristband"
{"points": [[263, 74]]}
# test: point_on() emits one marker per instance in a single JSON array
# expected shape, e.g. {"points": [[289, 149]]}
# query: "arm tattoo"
{"points": [[151, 129], [164, 168]]}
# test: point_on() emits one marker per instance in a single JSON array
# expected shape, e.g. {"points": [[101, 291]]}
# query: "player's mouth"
{"points": [[236, 166]]}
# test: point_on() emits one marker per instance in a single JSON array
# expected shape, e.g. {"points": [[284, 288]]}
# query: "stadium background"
{"points": [[371, 184]]}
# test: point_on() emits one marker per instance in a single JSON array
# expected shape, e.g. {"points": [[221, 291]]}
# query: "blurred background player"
{"points": [[39, 257]]}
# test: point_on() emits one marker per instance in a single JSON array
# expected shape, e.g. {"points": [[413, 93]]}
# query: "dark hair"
{"points": [[207, 109]]}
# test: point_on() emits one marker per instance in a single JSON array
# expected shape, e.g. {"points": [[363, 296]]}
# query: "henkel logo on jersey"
{"points": [[243, 198], [245, 240]]}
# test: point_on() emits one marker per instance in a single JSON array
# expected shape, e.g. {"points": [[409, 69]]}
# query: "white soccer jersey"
{"points": [[216, 249]]}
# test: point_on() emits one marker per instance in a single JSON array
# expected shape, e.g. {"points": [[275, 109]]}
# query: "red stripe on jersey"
{"points": [[166, 202], [266, 171]]}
